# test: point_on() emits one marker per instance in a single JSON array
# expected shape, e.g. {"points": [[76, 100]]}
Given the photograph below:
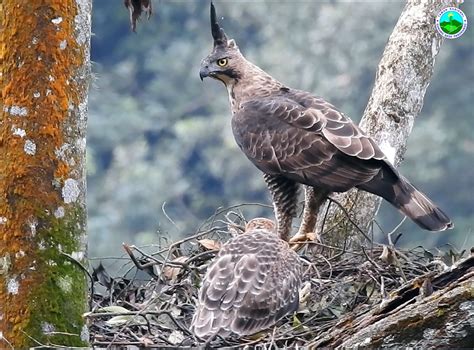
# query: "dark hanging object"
{"points": [[217, 32], [136, 8]]}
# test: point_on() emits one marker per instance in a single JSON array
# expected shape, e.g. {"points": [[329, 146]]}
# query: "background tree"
{"points": [[45, 71], [402, 79]]}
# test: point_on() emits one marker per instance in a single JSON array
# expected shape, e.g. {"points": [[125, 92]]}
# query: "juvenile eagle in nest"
{"points": [[253, 282], [295, 138]]}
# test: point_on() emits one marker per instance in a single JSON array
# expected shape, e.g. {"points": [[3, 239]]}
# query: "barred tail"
{"points": [[421, 209], [403, 195]]}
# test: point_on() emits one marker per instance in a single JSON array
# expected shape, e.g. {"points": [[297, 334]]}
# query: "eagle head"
{"points": [[263, 224], [225, 59]]}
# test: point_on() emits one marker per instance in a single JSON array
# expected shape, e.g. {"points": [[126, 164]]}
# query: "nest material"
{"points": [[153, 303]]}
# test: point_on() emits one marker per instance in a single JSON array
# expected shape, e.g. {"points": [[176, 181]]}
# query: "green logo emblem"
{"points": [[451, 22]]}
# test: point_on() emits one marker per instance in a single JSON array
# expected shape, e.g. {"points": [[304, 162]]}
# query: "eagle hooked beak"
{"points": [[203, 72]]}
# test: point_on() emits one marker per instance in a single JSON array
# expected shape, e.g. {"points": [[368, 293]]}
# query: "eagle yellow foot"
{"points": [[299, 240], [299, 237]]}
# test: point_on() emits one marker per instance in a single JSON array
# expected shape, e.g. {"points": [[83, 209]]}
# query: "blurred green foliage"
{"points": [[159, 139]]}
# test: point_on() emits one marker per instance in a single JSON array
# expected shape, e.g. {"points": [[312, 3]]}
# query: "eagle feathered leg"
{"points": [[284, 193], [313, 199]]}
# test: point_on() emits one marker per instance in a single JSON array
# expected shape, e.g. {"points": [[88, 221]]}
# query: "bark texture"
{"points": [[413, 317], [45, 71], [403, 75]]}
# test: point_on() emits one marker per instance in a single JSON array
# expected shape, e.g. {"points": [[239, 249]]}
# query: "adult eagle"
{"points": [[295, 138]]}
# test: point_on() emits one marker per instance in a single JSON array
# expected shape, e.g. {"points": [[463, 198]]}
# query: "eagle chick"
{"points": [[252, 283]]}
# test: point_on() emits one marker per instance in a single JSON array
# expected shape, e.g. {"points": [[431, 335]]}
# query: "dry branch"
{"points": [[413, 319]]}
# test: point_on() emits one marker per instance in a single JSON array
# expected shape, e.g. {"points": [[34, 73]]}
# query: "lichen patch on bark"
{"points": [[44, 74]]}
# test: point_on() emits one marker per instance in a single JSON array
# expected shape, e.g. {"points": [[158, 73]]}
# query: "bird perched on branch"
{"points": [[295, 138], [253, 282]]}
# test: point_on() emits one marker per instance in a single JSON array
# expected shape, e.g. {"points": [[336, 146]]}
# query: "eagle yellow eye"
{"points": [[222, 62]]}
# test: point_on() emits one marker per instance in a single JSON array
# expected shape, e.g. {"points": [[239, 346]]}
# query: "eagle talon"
{"points": [[297, 241], [299, 237]]}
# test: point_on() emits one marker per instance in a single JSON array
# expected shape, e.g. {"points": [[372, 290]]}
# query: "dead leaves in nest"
{"points": [[388, 255], [172, 272], [210, 244]]}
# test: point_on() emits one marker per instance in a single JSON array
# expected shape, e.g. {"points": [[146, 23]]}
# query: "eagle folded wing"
{"points": [[312, 144], [252, 284], [339, 129]]}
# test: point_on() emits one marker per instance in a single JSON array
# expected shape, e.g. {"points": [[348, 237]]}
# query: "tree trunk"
{"points": [[45, 72], [413, 317], [403, 76]]}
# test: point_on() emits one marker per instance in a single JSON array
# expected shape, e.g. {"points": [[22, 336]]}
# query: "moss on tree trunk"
{"points": [[45, 70]]}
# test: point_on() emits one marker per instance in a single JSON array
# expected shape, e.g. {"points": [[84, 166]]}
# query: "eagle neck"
{"points": [[253, 83]]}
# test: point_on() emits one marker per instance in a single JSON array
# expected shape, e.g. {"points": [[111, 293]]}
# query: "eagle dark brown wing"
{"points": [[309, 142], [253, 282]]}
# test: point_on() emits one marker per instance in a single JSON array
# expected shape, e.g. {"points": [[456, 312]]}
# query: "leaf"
{"points": [[305, 292], [210, 244], [172, 272], [387, 255], [146, 342], [313, 236], [101, 275], [115, 309], [117, 320], [129, 319], [175, 311], [296, 322], [121, 319]]}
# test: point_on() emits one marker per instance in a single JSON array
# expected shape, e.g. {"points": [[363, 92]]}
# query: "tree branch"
{"points": [[413, 317]]}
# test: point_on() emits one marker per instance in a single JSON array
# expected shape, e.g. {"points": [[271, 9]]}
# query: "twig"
{"points": [[349, 218], [167, 216]]}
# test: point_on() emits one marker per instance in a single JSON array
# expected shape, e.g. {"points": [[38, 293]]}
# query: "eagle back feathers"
{"points": [[305, 138], [253, 282]]}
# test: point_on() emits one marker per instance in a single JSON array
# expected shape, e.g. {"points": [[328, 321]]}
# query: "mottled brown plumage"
{"points": [[252, 283], [294, 138]]}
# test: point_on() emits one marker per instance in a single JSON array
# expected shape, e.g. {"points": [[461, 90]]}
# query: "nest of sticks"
{"points": [[150, 300]]}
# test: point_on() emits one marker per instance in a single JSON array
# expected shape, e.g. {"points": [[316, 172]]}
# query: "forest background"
{"points": [[159, 139]]}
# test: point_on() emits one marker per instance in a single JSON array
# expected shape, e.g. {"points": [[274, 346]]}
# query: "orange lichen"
{"points": [[37, 88], [61, 171]]}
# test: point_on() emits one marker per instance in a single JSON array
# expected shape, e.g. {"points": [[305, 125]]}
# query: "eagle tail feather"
{"points": [[399, 192], [421, 209]]}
